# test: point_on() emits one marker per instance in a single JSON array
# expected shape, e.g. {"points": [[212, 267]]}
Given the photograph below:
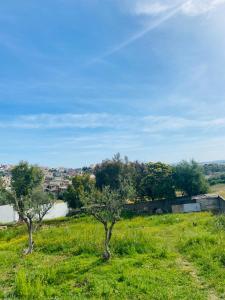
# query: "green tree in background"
{"points": [[5, 195], [80, 184], [137, 171], [189, 178], [110, 172], [158, 181]]}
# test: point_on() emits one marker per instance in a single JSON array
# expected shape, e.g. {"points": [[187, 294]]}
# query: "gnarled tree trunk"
{"points": [[29, 250], [108, 234]]}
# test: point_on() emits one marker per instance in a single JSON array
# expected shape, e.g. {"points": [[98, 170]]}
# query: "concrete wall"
{"points": [[8, 215], [57, 211]]}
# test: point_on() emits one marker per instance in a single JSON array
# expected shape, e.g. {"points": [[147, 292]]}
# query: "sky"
{"points": [[81, 80]]}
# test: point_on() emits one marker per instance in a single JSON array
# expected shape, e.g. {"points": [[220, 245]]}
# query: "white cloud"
{"points": [[147, 124], [149, 8], [54, 121], [170, 123], [162, 10], [199, 7], [188, 7]]}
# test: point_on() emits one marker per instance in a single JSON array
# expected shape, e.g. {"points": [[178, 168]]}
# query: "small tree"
{"points": [[25, 178], [35, 207], [106, 206], [28, 198]]}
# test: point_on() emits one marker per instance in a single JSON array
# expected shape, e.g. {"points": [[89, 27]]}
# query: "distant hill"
{"points": [[222, 162]]}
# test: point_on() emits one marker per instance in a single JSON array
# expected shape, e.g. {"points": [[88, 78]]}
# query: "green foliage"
{"points": [[110, 172], [25, 178], [105, 205], [138, 171], [81, 184], [158, 181], [189, 178], [219, 179], [5, 195], [213, 168]]}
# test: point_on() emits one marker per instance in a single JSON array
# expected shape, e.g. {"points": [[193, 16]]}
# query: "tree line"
{"points": [[150, 181], [103, 196]]}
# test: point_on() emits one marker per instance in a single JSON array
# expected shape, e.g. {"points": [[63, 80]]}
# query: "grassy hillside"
{"points": [[159, 257], [218, 189]]}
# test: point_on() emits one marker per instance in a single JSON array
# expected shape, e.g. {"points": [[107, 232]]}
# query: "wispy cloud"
{"points": [[149, 8], [146, 124], [199, 7], [54, 121], [156, 23], [162, 10], [188, 7]]}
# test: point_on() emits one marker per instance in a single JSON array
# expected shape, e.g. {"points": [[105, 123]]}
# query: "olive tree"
{"points": [[28, 198], [106, 206], [35, 207], [25, 178]]}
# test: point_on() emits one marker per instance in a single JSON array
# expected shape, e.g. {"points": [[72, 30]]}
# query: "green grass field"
{"points": [[158, 257]]}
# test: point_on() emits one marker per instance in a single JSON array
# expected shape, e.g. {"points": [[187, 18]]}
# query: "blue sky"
{"points": [[83, 79]]}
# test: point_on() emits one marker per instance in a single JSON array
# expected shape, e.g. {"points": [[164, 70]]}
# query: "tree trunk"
{"points": [[29, 250], [108, 234], [30, 238], [106, 255]]}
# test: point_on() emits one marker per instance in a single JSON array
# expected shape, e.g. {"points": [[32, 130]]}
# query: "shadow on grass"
{"points": [[97, 263]]}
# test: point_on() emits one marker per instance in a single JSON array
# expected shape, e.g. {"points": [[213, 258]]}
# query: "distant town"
{"points": [[56, 179]]}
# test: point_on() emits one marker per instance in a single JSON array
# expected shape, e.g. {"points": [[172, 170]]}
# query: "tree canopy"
{"points": [[189, 178], [110, 172], [80, 184], [25, 178], [157, 182]]}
